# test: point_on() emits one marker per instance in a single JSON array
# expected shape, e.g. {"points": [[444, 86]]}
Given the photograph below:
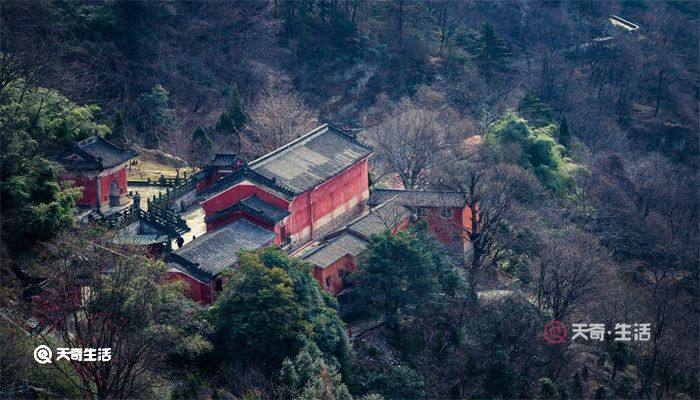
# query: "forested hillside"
{"points": [[576, 140]]}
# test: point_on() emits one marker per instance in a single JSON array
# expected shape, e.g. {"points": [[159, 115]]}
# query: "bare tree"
{"points": [[410, 141], [277, 117], [471, 95], [494, 194], [104, 298], [174, 149], [568, 272], [449, 14]]}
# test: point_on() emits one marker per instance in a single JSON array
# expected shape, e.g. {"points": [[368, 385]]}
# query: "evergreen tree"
{"points": [[271, 308], [392, 382], [490, 52], [36, 125], [307, 376], [500, 377], [118, 134], [563, 392], [201, 147], [619, 357], [535, 111], [564, 135], [158, 119], [406, 274], [584, 373], [547, 390], [233, 118], [258, 317]]}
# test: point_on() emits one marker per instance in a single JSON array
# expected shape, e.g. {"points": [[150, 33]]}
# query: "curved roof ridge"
{"points": [[284, 147], [417, 190]]}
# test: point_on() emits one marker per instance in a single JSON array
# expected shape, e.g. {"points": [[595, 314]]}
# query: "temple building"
{"points": [[222, 164], [98, 167], [446, 214], [336, 255], [200, 262], [311, 197], [297, 191]]}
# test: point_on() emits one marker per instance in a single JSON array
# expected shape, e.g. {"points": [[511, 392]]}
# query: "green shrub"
{"points": [[540, 152]]}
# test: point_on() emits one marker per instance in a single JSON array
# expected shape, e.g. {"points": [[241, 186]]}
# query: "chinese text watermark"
{"points": [[43, 354], [556, 332]]}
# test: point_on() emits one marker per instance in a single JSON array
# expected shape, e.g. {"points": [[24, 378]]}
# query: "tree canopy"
{"points": [[157, 119], [405, 275], [270, 307], [201, 147], [490, 52], [233, 118], [37, 124]]}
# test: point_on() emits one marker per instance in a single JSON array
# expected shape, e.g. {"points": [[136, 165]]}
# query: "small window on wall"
{"points": [[218, 285], [328, 282], [446, 213], [341, 272]]}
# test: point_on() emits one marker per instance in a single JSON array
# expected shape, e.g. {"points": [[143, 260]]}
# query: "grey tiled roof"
{"points": [[354, 238], [378, 219], [254, 206], [417, 198], [96, 154], [311, 159], [223, 160], [330, 251], [273, 213], [216, 250], [246, 173], [140, 240]]}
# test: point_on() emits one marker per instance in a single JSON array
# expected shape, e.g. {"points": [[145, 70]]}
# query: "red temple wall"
{"points": [[196, 290], [223, 221], [106, 180], [215, 174], [88, 187], [347, 264], [299, 220], [320, 205], [313, 209], [232, 196], [205, 183], [239, 192], [447, 230], [339, 194]]}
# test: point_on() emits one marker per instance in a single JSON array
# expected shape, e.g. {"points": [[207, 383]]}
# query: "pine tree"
{"points": [[118, 135], [201, 147], [564, 134], [159, 119], [273, 293], [619, 357], [233, 118], [307, 376], [411, 260], [535, 111], [547, 391], [490, 52]]}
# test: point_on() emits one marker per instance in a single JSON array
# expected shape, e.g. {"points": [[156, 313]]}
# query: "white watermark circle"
{"points": [[42, 354]]}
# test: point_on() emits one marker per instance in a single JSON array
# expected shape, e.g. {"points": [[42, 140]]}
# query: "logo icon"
{"points": [[555, 332], [42, 354]]}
